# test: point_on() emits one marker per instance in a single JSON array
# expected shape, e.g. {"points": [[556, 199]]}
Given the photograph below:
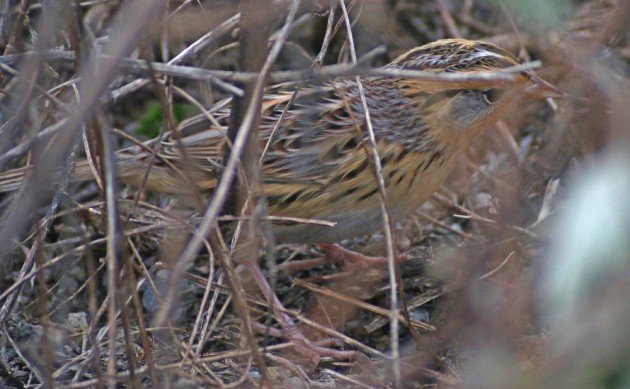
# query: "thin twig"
{"points": [[496, 269], [347, 379], [504, 76], [115, 251], [387, 222], [361, 304], [184, 55]]}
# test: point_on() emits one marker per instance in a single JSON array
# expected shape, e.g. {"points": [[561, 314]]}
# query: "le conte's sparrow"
{"points": [[314, 164]]}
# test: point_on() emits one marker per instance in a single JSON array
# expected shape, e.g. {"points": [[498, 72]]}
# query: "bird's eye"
{"points": [[492, 95]]}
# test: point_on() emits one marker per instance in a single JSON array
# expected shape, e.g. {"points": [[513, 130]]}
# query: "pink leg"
{"points": [[305, 264], [278, 333], [336, 253], [301, 344]]}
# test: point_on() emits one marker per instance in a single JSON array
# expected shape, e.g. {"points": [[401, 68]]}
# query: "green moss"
{"points": [[151, 121]]}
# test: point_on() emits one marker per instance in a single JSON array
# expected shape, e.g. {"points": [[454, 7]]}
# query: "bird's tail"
{"points": [[130, 170], [11, 180]]}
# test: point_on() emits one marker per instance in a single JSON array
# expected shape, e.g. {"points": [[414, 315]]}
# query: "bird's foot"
{"points": [[335, 253], [312, 350]]}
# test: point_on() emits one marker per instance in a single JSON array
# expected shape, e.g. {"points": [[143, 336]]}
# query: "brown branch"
{"points": [[503, 76], [115, 252], [388, 226], [256, 23]]}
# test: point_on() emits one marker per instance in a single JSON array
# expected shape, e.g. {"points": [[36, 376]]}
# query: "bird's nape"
{"points": [[455, 55]]}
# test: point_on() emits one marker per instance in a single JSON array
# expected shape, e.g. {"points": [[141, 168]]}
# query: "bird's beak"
{"points": [[541, 89]]}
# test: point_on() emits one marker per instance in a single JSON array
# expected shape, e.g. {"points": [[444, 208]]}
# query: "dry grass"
{"points": [[514, 280]]}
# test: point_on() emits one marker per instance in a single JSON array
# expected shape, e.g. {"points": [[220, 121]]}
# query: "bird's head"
{"points": [[471, 103]]}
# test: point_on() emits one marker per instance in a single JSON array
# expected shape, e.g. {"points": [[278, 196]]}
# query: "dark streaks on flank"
{"points": [[345, 193], [391, 174], [402, 154], [293, 197], [437, 154], [368, 194], [415, 175], [350, 175], [354, 173]]}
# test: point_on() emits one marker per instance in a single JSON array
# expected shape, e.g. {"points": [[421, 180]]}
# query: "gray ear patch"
{"points": [[467, 107]]}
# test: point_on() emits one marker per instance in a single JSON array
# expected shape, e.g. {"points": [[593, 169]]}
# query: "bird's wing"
{"points": [[312, 138], [305, 139]]}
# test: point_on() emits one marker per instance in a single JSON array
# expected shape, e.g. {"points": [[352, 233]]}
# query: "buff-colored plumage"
{"points": [[315, 165]]}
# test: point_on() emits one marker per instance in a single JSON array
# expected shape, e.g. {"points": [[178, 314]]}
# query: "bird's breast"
{"points": [[353, 202]]}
